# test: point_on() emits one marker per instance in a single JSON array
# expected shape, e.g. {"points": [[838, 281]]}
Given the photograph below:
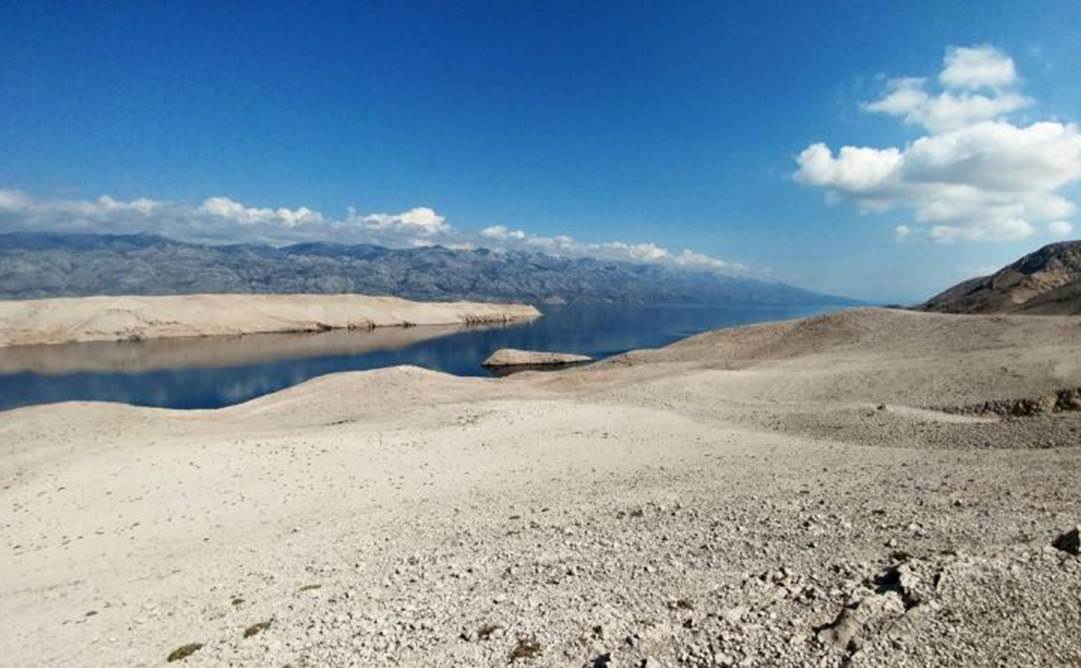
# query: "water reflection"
{"points": [[212, 351], [219, 371]]}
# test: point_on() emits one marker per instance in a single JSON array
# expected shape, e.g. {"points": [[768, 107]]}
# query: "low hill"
{"points": [[1047, 282], [34, 265]]}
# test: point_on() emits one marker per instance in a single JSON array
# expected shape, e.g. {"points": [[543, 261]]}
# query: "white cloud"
{"points": [[902, 232], [948, 110], [854, 170], [79, 215], [420, 220], [977, 67], [975, 176], [1060, 228], [646, 251], [562, 244], [13, 200], [223, 219], [688, 258], [964, 72], [501, 232], [224, 207]]}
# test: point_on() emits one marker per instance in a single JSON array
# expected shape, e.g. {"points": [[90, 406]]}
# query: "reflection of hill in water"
{"points": [[213, 351]]}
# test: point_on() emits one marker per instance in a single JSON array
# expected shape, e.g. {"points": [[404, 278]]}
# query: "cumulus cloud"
{"points": [[977, 67], [978, 85], [909, 99], [501, 232], [1060, 228], [226, 220], [509, 239], [975, 175], [224, 207], [19, 211], [421, 220]]}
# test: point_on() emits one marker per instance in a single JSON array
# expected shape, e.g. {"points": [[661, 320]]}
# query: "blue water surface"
{"points": [[219, 371]]}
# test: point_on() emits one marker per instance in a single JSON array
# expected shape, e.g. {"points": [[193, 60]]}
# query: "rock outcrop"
{"points": [[511, 357], [1047, 282]]}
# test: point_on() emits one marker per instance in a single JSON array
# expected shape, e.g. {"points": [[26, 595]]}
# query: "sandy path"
{"points": [[705, 504]]}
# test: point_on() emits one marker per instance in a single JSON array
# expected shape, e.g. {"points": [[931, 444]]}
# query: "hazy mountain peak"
{"points": [[51, 265]]}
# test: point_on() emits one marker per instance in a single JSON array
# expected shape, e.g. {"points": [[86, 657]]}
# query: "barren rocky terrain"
{"points": [[67, 320], [840, 490], [1044, 282], [38, 265]]}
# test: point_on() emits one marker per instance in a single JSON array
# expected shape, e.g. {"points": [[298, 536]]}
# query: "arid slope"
{"points": [[783, 494], [1046, 282]]}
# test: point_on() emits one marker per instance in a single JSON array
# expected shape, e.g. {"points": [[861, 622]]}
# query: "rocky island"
{"points": [[509, 357]]}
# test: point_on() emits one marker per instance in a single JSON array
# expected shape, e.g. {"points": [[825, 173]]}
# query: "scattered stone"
{"points": [[842, 632], [1069, 542], [601, 661], [489, 631], [184, 651], [1068, 399], [902, 580], [510, 357], [256, 629], [735, 615], [527, 648]]}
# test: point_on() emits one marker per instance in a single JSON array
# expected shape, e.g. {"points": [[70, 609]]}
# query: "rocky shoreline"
{"points": [[778, 494], [81, 319]]}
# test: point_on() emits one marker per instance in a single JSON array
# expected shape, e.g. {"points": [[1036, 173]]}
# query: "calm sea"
{"points": [[219, 371]]}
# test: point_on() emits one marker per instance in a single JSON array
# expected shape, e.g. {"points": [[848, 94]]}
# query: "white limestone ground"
{"points": [[786, 494], [75, 319], [512, 357]]}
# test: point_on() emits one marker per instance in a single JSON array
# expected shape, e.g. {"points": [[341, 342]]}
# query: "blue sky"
{"points": [[678, 125]]}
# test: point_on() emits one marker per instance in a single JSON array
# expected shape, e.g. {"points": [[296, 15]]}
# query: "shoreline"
{"points": [[215, 351], [726, 498], [133, 318]]}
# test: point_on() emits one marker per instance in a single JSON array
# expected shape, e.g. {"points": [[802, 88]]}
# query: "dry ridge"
{"points": [[76, 319], [783, 494], [1046, 282]]}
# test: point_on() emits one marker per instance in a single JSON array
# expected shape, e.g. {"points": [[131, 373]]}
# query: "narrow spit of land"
{"points": [[822, 492], [76, 319]]}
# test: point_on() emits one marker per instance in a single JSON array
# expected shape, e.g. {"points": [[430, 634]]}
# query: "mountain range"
{"points": [[38, 265], [1046, 282]]}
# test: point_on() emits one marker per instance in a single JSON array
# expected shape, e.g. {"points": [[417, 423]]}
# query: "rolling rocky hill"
{"points": [[37, 265], [1046, 282]]}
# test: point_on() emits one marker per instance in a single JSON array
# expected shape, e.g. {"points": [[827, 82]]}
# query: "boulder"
{"points": [[1070, 541], [512, 357]]}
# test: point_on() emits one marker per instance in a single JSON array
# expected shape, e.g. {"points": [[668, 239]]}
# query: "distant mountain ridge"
{"points": [[1046, 282], [38, 265]]}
